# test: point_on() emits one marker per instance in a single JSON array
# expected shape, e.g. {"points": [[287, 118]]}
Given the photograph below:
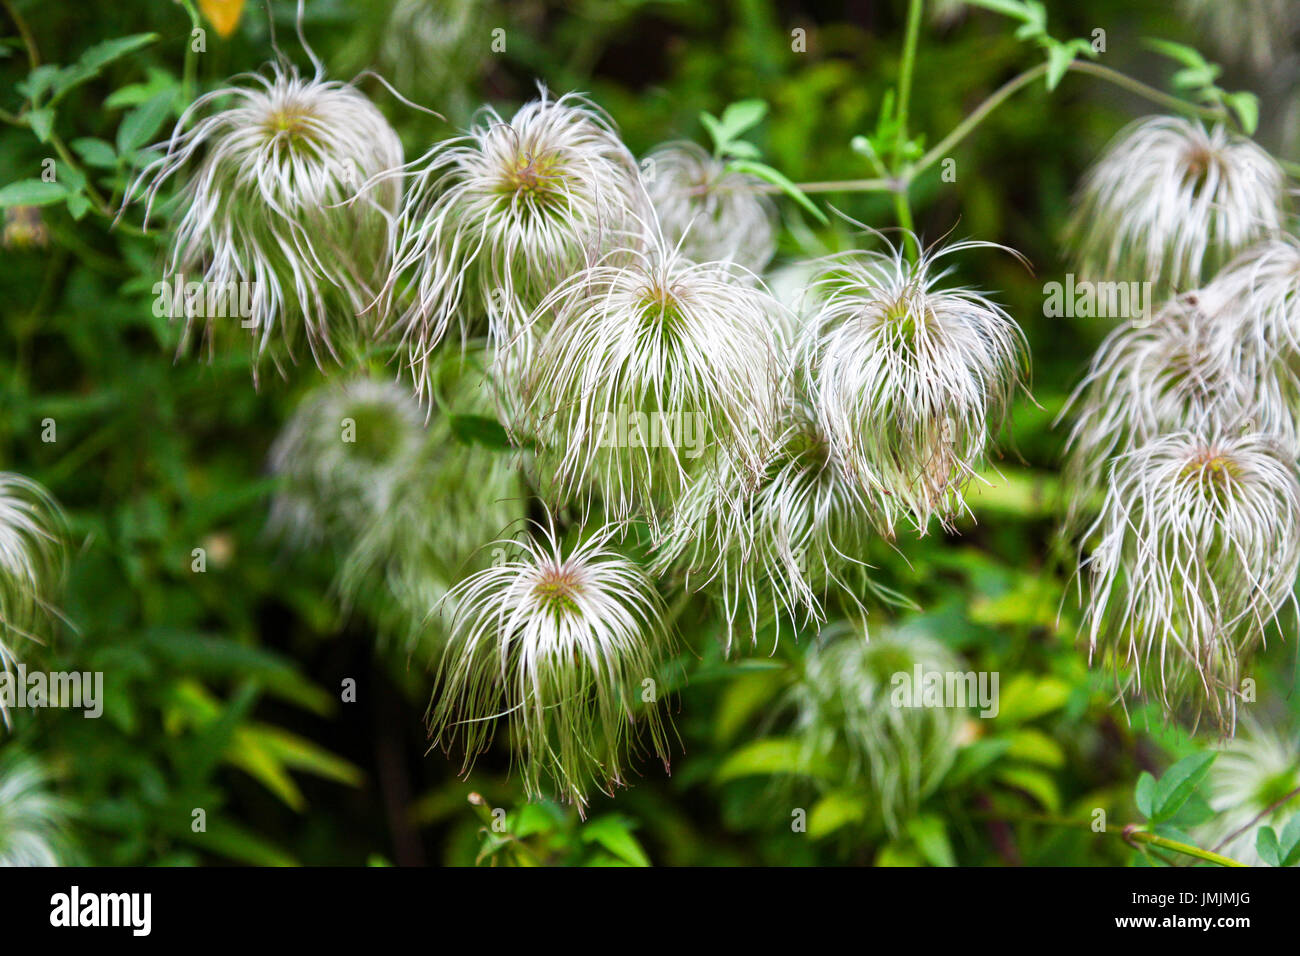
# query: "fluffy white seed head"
{"points": [[1262, 286], [275, 208], [1198, 544], [1258, 32], [772, 551], [31, 563], [1170, 201], [652, 362], [435, 50], [454, 496], [910, 380], [716, 215], [495, 219], [341, 459], [32, 819], [1247, 788], [558, 644], [847, 718], [1191, 368]]}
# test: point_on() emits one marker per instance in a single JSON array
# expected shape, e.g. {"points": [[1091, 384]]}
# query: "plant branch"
{"points": [[1130, 834], [33, 55], [1266, 812], [902, 204], [996, 99]]}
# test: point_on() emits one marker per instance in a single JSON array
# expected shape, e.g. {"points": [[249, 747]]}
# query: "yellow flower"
{"points": [[222, 14]]}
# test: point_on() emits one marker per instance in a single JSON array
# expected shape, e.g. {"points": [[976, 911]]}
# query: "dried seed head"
{"points": [[275, 215], [1198, 544], [715, 215], [1169, 202], [650, 362], [846, 717], [561, 645], [910, 380], [31, 563], [496, 218]]}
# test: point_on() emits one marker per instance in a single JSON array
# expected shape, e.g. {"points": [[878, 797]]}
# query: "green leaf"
{"points": [[1289, 842], [94, 152], [298, 753], [834, 810], [234, 843], [1059, 58], [768, 174], [1193, 813], [480, 430], [134, 94], [78, 206], [1145, 793], [1037, 784], [1008, 8], [42, 122], [1178, 784], [741, 149], [1246, 106], [39, 81], [931, 838], [770, 755], [1186, 55], [95, 59], [614, 834], [976, 756], [744, 696], [1267, 846], [742, 116], [32, 192], [1035, 25], [714, 129], [140, 125], [1034, 746], [1029, 696]]}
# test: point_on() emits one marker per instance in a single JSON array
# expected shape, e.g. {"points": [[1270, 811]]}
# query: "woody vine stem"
{"points": [[899, 177]]}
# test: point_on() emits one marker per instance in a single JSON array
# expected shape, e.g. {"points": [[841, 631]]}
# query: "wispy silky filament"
{"points": [[564, 646], [31, 563], [773, 549], [276, 205], [342, 457], [1248, 786], [689, 350], [1191, 368], [910, 380], [846, 717], [1170, 201], [405, 505], [32, 819], [715, 215], [1196, 553], [494, 219]]}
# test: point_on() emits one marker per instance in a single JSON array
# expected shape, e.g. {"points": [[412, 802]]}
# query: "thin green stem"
{"points": [[1130, 834], [903, 209], [1266, 812], [1152, 839], [33, 55], [1156, 96], [839, 186], [977, 116], [1001, 95], [191, 57], [902, 205], [910, 41]]}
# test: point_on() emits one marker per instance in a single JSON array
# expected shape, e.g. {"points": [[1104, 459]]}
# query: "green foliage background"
{"points": [[223, 688]]}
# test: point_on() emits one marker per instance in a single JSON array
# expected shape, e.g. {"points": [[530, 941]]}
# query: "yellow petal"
{"points": [[222, 14]]}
